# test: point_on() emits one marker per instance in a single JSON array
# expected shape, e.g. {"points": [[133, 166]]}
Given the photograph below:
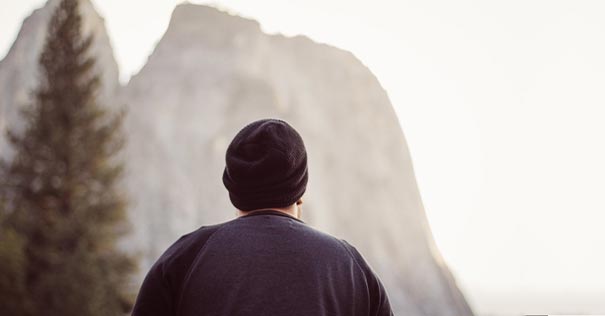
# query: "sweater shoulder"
{"points": [[187, 246], [356, 256], [336, 244]]}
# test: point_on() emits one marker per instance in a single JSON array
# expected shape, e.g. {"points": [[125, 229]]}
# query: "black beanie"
{"points": [[266, 166]]}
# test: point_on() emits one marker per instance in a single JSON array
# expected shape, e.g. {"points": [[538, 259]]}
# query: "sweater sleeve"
{"points": [[379, 300], [154, 298], [162, 286], [162, 283]]}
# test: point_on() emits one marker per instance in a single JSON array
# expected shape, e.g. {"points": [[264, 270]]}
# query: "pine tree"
{"points": [[13, 298], [63, 211]]}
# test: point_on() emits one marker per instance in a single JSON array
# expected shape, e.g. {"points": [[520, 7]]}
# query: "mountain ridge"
{"points": [[211, 73]]}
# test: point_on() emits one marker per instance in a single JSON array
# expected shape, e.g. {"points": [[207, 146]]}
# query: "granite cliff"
{"points": [[212, 73]]}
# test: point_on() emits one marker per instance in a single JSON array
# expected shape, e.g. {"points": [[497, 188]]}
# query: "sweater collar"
{"points": [[272, 212]]}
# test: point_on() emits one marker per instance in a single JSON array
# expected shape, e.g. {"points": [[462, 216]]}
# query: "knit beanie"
{"points": [[266, 166]]}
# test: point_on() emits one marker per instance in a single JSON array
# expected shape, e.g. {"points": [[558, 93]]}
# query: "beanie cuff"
{"points": [[274, 201], [257, 197]]}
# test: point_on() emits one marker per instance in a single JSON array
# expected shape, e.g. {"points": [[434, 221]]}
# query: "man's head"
{"points": [[266, 166]]}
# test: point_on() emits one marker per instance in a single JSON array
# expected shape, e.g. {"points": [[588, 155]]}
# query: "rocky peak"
{"points": [[212, 73], [205, 23]]}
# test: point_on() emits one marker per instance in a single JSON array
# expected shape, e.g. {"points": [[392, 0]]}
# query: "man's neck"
{"points": [[292, 211]]}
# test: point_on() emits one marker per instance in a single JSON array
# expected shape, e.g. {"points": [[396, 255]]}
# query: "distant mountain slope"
{"points": [[211, 74]]}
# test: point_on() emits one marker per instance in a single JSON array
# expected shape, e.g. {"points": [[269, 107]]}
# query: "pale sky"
{"points": [[502, 104]]}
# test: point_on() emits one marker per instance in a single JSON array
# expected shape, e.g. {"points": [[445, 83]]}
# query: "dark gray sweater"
{"points": [[264, 263]]}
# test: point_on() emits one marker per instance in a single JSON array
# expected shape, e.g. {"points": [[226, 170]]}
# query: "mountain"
{"points": [[211, 74]]}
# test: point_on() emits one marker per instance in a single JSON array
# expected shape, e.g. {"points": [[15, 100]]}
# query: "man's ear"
{"points": [[299, 202]]}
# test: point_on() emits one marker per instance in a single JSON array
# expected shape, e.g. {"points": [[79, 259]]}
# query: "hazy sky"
{"points": [[502, 104]]}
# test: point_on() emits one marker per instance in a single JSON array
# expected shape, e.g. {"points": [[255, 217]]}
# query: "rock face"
{"points": [[19, 69], [211, 74]]}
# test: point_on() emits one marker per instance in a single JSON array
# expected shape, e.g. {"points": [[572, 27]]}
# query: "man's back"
{"points": [[264, 263]]}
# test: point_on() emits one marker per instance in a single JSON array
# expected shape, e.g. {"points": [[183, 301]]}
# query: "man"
{"points": [[267, 261]]}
